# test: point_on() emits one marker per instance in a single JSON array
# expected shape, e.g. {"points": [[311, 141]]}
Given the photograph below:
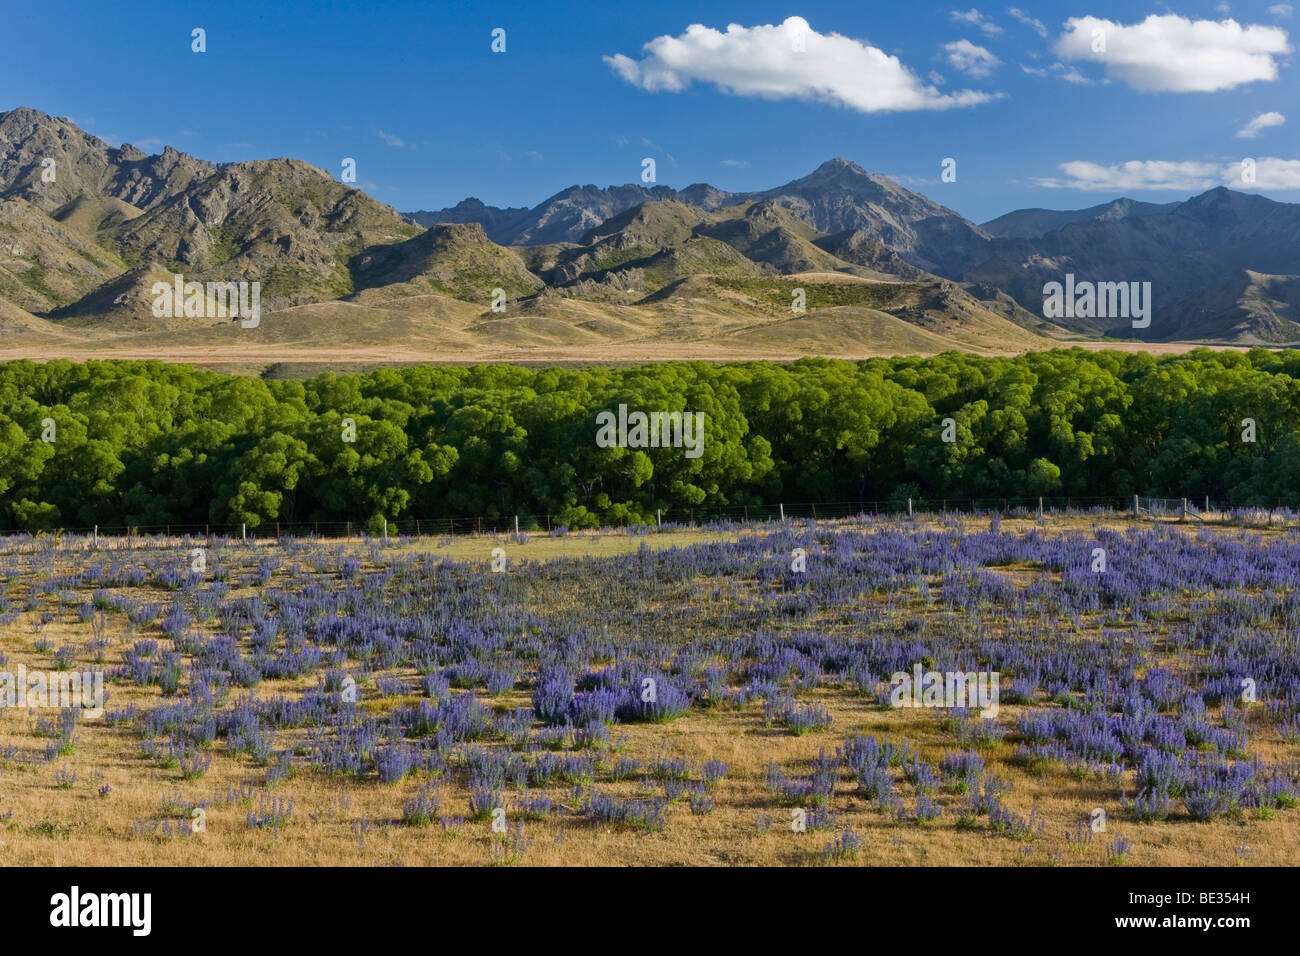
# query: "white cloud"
{"points": [[1223, 7], [1187, 176], [1070, 74], [1062, 72], [1270, 173], [735, 162], [391, 140], [903, 179], [1172, 54], [935, 77], [975, 19], [764, 61], [1261, 122], [1281, 9], [1028, 21], [971, 59], [1135, 174]]}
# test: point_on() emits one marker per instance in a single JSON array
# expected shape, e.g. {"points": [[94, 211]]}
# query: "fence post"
{"points": [[909, 507], [659, 518], [516, 526], [1135, 506], [814, 512], [1183, 517], [1040, 507], [782, 507], [97, 536], [1207, 502], [386, 529], [277, 531]]}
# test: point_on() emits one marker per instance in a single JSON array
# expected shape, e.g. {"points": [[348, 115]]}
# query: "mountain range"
{"points": [[1218, 240], [86, 229]]}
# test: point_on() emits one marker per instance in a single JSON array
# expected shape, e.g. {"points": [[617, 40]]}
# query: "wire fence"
{"points": [[1118, 506]]}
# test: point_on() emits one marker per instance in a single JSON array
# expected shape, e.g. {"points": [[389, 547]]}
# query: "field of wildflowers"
{"points": [[695, 701]]}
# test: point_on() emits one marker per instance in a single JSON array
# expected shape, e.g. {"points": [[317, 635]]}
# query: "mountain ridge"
{"points": [[81, 247]]}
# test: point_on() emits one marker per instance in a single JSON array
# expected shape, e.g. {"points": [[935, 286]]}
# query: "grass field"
{"points": [[476, 690], [303, 361]]}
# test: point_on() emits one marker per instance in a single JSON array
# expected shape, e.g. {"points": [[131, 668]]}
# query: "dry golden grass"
{"points": [[359, 822], [770, 343]]}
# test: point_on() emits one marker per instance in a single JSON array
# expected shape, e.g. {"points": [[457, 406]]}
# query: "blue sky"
{"points": [[413, 92]]}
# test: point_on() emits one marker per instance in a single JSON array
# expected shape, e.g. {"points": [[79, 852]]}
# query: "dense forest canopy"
{"points": [[149, 444]]}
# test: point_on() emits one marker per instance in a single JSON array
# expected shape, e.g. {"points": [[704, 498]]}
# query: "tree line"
{"points": [[150, 443]]}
